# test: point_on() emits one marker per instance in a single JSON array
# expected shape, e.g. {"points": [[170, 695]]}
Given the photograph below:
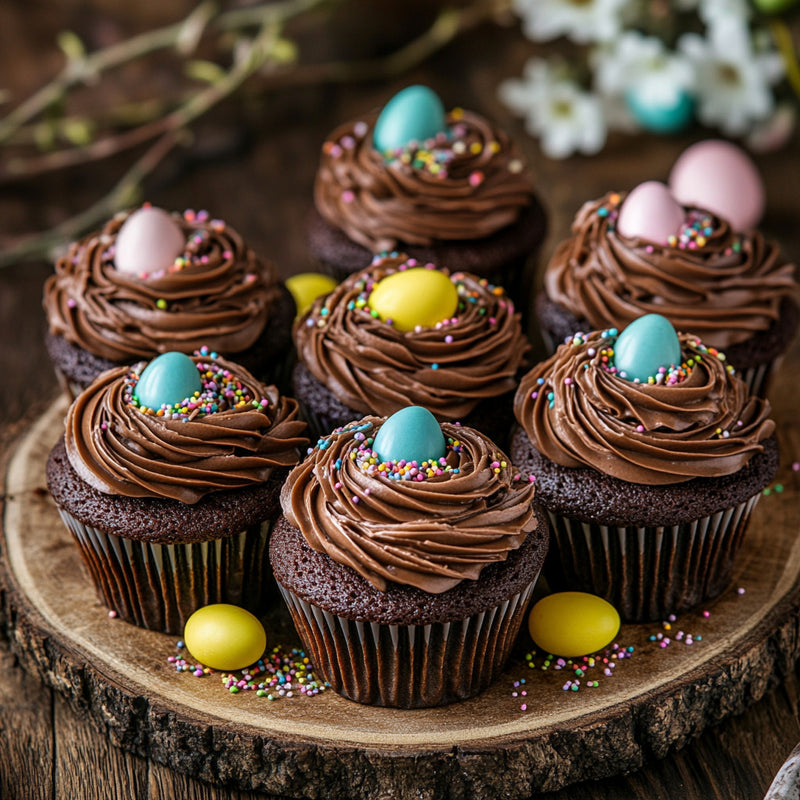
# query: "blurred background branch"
{"points": [[218, 53]]}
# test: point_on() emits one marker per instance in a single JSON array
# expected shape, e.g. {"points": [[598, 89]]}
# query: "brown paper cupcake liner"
{"points": [[159, 586], [409, 666], [647, 573]]}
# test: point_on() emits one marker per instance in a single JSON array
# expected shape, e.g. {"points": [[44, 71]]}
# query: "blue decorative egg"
{"points": [[414, 114], [411, 434], [657, 115], [167, 380], [645, 345]]}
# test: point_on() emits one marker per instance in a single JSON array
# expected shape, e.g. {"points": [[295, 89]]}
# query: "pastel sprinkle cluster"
{"points": [[695, 232], [581, 671], [609, 211], [369, 462], [222, 391], [277, 675]]}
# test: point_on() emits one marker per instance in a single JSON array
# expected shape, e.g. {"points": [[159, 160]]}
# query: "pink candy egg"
{"points": [[650, 212], [720, 177], [148, 241]]}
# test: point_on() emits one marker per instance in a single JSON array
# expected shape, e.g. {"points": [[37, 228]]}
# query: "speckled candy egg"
{"points": [[167, 380], [411, 434], [414, 114], [650, 212], [306, 287], [645, 346], [414, 297], [225, 637], [573, 624], [720, 177], [148, 241]]}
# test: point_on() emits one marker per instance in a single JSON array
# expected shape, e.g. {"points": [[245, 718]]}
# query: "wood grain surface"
{"points": [[253, 164]]}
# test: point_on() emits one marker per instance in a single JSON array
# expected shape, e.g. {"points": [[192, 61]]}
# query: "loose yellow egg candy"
{"points": [[573, 623], [417, 296], [307, 287], [222, 636]]}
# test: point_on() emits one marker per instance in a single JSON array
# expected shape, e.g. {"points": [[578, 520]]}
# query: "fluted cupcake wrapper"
{"points": [[159, 586], [647, 573], [409, 666]]}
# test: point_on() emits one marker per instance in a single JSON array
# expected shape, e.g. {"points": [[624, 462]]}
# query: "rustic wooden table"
{"points": [[253, 164]]}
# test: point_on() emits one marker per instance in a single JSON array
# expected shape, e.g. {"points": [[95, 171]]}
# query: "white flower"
{"points": [[580, 20], [732, 82], [644, 64], [713, 11], [564, 117]]}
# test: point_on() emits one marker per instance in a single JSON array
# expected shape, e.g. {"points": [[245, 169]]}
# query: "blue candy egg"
{"points": [[645, 345], [167, 380], [659, 115], [414, 114], [411, 434]]}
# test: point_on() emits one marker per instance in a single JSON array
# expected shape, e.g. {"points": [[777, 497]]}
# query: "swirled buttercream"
{"points": [[577, 412], [722, 285], [466, 185], [429, 527], [374, 368], [225, 441], [218, 293]]}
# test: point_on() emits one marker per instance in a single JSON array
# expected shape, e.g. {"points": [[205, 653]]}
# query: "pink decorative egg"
{"points": [[148, 241], [720, 177], [650, 212]]}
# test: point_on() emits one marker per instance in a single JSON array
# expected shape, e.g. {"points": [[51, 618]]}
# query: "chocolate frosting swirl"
{"points": [[118, 449], [431, 534], [221, 298], [374, 368], [723, 292], [383, 203], [704, 426]]}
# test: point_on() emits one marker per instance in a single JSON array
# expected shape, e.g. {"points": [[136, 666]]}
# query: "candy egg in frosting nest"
{"points": [[647, 345], [148, 241], [411, 434], [650, 212], [168, 379], [415, 114], [417, 297]]}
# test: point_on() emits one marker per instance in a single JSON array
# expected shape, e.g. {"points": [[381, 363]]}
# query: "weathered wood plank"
{"points": [[26, 733]]}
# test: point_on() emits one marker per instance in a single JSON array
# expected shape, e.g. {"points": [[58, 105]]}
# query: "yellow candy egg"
{"points": [[222, 636], [306, 287], [573, 623], [416, 296]]}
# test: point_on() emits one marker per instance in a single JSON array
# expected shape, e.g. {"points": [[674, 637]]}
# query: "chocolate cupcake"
{"points": [[168, 477], [407, 575], [151, 282], [444, 187], [649, 456], [401, 332], [643, 253]]}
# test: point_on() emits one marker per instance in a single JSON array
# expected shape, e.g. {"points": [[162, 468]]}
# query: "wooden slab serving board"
{"points": [[328, 747]]}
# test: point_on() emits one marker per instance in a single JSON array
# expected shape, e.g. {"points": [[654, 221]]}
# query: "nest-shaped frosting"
{"points": [[469, 185], [430, 533], [374, 368], [577, 412], [723, 290], [220, 295], [118, 448]]}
